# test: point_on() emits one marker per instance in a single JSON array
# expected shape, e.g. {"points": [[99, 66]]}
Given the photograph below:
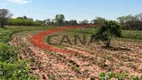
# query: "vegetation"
{"points": [[107, 31], [72, 22], [132, 34], [4, 15], [131, 22], [84, 22], [6, 34], [11, 67], [59, 19], [98, 20], [24, 22]]}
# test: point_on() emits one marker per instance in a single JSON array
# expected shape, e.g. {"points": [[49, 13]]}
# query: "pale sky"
{"points": [[72, 9]]}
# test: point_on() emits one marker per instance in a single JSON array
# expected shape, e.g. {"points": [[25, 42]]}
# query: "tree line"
{"points": [[59, 20], [23, 22], [129, 22]]}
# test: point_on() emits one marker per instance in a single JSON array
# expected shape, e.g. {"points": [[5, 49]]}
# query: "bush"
{"points": [[108, 30]]}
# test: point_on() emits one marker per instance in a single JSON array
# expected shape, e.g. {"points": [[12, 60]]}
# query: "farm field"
{"points": [[70, 40], [123, 58]]}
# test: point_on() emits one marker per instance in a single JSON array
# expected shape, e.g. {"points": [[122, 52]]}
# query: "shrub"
{"points": [[108, 30]]}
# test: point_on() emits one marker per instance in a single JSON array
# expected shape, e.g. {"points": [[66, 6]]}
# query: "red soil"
{"points": [[37, 40]]}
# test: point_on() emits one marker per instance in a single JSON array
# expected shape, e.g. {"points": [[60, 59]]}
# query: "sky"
{"points": [[72, 9]]}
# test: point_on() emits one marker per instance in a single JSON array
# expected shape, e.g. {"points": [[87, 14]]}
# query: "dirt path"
{"points": [[37, 39]]}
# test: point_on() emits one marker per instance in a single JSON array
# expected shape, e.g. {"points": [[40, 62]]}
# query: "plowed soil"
{"points": [[125, 55]]}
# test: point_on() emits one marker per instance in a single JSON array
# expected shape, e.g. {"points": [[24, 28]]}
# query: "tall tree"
{"points": [[4, 15], [59, 19]]}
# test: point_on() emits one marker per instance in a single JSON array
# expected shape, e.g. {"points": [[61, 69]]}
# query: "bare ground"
{"points": [[123, 56]]}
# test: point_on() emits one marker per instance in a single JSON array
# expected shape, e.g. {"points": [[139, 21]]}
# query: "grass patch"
{"points": [[132, 34]]}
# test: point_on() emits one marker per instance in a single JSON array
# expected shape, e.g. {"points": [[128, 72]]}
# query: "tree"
{"points": [[121, 19], [25, 17], [47, 21], [66, 22], [107, 31], [19, 18], [98, 20], [128, 22], [84, 22], [139, 17], [59, 19], [41, 22], [4, 15], [131, 22], [73, 22]]}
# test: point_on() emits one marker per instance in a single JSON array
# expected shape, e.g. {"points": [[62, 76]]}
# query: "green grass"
{"points": [[84, 30], [132, 34]]}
